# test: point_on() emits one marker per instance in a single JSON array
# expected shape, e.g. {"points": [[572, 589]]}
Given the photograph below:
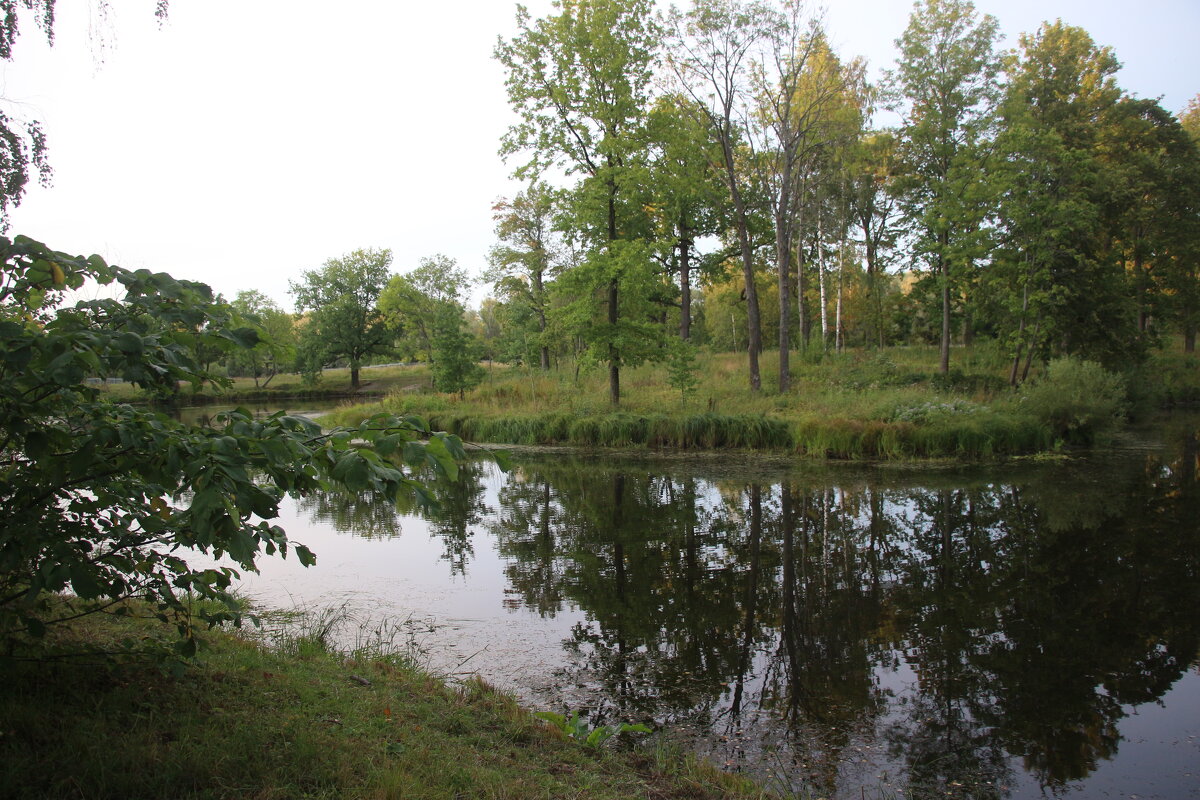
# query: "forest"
{"points": [[720, 177]]}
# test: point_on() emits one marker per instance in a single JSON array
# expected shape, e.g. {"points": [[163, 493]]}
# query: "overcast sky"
{"points": [[244, 141]]}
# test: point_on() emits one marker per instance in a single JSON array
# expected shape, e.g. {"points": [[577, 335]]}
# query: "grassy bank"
{"points": [[375, 382], [295, 720], [871, 404]]}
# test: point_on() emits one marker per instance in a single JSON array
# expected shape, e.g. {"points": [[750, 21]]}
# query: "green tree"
{"points": [[1184, 278], [526, 256], [688, 196], [1150, 165], [947, 76], [342, 304], [1051, 277], [871, 174], [682, 367], [579, 81], [277, 338], [455, 364], [105, 500], [806, 99], [711, 55], [416, 302]]}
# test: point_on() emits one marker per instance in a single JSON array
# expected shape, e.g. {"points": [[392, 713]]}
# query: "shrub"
{"points": [[1079, 400]]}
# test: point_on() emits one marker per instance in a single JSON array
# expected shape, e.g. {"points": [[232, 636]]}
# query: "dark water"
{"points": [[1013, 631]]}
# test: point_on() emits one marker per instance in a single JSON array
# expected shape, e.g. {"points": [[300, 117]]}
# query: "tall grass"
{"points": [[872, 404]]}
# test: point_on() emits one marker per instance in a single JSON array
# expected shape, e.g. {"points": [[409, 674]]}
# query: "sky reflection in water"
{"points": [[984, 632]]}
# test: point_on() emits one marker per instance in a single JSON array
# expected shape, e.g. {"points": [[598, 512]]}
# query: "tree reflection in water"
{"points": [[953, 632], [1029, 612]]}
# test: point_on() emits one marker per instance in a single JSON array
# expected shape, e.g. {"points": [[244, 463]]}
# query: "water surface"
{"points": [[1014, 630]]}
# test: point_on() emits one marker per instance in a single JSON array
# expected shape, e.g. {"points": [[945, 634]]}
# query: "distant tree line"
{"points": [[715, 174]]}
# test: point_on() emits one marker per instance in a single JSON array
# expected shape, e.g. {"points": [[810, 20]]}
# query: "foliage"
{"points": [[526, 257], [105, 499], [682, 367], [414, 301], [455, 364], [576, 726], [343, 316], [579, 82], [1080, 400], [276, 349], [946, 74]]}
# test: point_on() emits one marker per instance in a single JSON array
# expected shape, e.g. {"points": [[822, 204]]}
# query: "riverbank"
{"points": [[296, 720], [888, 404], [334, 384]]}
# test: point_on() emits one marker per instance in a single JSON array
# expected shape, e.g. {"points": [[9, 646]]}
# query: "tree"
{"points": [[682, 367], [947, 74], [277, 338], [579, 81], [713, 47], [105, 500], [1150, 166], [806, 101], [872, 205], [1185, 276], [687, 191], [415, 302], [526, 255], [455, 364], [342, 301]]}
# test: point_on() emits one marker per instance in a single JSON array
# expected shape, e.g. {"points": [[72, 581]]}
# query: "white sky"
{"points": [[247, 140]]}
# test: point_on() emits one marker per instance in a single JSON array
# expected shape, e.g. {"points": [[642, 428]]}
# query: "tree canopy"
{"points": [[344, 320]]}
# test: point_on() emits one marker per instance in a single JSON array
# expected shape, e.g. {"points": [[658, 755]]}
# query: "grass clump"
{"points": [[294, 720]]}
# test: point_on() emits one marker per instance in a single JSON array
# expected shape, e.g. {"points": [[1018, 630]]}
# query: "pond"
{"points": [[1002, 631]]}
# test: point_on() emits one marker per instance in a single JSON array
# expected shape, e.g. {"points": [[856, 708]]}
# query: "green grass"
{"points": [[855, 405], [298, 720], [374, 382]]}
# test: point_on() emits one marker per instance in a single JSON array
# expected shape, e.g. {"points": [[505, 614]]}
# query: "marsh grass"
{"points": [[887, 404], [298, 719]]}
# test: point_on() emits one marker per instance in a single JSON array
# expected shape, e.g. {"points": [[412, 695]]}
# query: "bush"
{"points": [[1079, 400], [104, 500]]}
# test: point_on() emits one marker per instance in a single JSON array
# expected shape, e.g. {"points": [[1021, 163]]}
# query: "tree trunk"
{"points": [[783, 253], [1012, 374], [1189, 338], [802, 321], [944, 271], [354, 375], [1032, 348], [685, 282], [742, 222], [823, 301], [540, 299], [838, 342], [614, 356]]}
